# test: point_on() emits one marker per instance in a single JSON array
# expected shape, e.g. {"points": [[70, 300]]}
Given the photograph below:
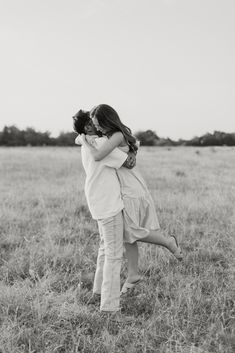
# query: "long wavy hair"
{"points": [[109, 120]]}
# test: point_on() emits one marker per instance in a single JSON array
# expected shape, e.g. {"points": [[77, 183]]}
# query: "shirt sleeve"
{"points": [[91, 139], [115, 159], [78, 140]]}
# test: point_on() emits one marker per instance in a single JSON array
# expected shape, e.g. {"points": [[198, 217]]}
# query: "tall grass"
{"points": [[48, 247]]}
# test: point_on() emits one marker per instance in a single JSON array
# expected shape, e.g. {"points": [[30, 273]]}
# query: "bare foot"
{"points": [[175, 248], [129, 285]]}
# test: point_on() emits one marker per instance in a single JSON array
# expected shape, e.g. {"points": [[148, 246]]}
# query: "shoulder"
{"points": [[117, 136]]}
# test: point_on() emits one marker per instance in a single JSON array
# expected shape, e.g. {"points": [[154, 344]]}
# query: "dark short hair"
{"points": [[80, 120]]}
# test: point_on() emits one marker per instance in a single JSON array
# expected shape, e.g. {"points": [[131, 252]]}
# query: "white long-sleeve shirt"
{"points": [[102, 187]]}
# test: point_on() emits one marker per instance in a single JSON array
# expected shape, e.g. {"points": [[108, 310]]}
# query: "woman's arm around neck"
{"points": [[108, 146]]}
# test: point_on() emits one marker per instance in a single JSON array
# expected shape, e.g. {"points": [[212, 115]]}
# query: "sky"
{"points": [[164, 65]]}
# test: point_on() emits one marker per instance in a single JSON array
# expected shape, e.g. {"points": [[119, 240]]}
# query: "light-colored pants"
{"points": [[109, 261]]}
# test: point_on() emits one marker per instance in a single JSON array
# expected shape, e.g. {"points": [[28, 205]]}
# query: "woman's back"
{"points": [[131, 181]]}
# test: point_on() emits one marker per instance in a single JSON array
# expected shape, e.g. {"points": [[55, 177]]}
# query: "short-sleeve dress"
{"points": [[139, 211]]}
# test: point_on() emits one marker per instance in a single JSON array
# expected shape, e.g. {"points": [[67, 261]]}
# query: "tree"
{"points": [[11, 136], [147, 138], [66, 139]]}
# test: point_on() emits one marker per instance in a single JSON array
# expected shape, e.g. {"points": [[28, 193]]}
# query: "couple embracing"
{"points": [[120, 201]]}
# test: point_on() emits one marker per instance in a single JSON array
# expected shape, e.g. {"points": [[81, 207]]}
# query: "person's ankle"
{"points": [[133, 278]]}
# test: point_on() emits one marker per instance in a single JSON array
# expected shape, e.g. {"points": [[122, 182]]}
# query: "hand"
{"points": [[130, 162]]}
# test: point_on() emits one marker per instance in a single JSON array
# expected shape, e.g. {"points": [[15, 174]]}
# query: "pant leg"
{"points": [[99, 265], [112, 232]]}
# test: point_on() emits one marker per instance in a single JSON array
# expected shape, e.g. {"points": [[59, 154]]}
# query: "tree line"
{"points": [[12, 136], [218, 138]]}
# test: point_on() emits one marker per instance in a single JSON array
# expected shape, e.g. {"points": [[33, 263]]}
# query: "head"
{"points": [[82, 123], [106, 120]]}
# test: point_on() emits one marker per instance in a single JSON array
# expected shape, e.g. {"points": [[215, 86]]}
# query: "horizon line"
{"points": [[138, 131]]}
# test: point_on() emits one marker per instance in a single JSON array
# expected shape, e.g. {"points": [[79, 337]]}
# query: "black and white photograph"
{"points": [[117, 176]]}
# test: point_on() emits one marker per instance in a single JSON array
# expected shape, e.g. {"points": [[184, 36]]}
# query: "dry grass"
{"points": [[48, 248]]}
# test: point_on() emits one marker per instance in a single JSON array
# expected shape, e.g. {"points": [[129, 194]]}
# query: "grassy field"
{"points": [[48, 247]]}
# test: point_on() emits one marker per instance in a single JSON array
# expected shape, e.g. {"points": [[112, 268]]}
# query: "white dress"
{"points": [[139, 211]]}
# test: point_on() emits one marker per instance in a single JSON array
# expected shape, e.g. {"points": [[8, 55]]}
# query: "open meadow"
{"points": [[48, 248]]}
